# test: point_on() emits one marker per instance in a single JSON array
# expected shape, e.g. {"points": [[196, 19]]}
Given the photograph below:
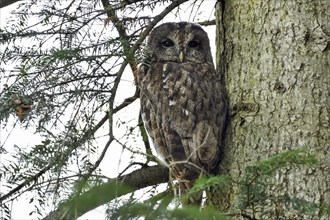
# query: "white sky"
{"points": [[23, 138]]}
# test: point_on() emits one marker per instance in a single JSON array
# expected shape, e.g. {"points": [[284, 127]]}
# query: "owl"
{"points": [[183, 103]]}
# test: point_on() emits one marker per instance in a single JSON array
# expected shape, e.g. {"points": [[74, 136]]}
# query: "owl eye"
{"points": [[193, 44], [167, 43]]}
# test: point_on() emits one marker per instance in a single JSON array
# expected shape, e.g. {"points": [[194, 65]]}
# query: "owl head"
{"points": [[179, 42]]}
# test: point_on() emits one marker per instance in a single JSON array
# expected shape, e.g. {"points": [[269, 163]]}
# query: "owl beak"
{"points": [[181, 56]]}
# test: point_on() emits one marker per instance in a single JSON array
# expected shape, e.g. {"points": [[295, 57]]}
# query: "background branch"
{"points": [[4, 3]]}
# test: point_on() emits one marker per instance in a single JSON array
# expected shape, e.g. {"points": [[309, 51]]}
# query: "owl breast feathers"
{"points": [[183, 104]]}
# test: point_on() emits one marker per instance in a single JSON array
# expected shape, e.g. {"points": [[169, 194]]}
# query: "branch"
{"points": [[144, 136], [207, 23], [114, 188], [112, 110], [128, 49], [127, 101], [75, 145], [4, 3], [85, 137], [25, 183], [112, 16], [153, 23]]}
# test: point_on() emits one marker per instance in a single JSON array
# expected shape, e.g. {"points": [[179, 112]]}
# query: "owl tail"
{"points": [[186, 177]]}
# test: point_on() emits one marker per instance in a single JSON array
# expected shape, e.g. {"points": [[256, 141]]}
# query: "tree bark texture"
{"points": [[274, 57]]}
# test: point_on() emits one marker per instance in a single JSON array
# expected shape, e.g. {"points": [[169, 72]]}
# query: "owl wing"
{"points": [[155, 114], [158, 120], [199, 113]]}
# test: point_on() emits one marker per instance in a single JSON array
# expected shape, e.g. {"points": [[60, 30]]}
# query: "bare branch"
{"points": [[112, 16], [127, 101], [153, 23], [4, 3], [130, 50], [207, 23]]}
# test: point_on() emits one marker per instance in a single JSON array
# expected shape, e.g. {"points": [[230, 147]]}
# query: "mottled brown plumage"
{"points": [[183, 104]]}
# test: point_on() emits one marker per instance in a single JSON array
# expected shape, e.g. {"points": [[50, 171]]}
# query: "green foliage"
{"points": [[256, 192], [195, 214], [162, 210], [258, 183], [258, 189], [211, 183], [293, 158], [325, 209], [152, 209], [64, 54]]}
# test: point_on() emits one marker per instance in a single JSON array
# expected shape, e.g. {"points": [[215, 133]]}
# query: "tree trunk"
{"points": [[274, 57]]}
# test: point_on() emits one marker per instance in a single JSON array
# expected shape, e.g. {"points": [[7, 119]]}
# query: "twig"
{"points": [[207, 23], [87, 134]]}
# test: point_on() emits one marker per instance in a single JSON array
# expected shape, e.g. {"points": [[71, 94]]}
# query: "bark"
{"points": [[274, 56], [4, 3], [102, 194]]}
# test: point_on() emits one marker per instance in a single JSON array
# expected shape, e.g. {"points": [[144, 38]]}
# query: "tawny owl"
{"points": [[183, 104]]}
